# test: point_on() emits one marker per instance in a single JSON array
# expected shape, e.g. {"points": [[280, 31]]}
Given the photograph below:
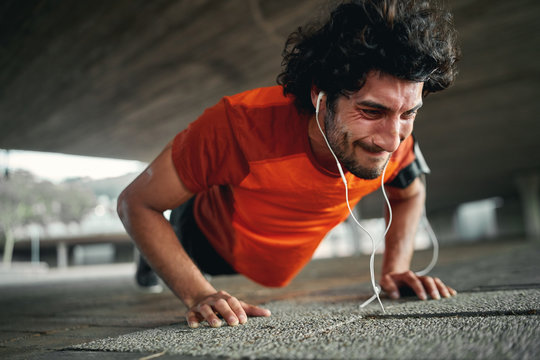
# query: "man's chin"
{"points": [[366, 173]]}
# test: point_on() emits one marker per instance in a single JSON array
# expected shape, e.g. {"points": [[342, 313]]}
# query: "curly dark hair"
{"points": [[412, 40]]}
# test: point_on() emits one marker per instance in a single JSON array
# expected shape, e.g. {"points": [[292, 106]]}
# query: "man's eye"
{"points": [[410, 115], [371, 113]]}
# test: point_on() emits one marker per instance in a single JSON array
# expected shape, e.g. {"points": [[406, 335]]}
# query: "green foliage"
{"points": [[75, 200], [25, 200]]}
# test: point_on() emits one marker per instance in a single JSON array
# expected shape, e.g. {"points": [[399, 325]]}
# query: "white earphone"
{"points": [[375, 245], [319, 98], [376, 288]]}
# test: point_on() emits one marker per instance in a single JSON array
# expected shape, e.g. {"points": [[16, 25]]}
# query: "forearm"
{"points": [[156, 239], [399, 243]]}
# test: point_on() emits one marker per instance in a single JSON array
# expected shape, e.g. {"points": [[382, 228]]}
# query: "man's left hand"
{"points": [[421, 285]]}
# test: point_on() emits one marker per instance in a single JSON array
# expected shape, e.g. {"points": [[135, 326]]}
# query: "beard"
{"points": [[339, 139]]}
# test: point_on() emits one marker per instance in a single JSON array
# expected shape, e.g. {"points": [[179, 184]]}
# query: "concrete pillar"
{"points": [[62, 255], [529, 191], [8, 247], [34, 241]]}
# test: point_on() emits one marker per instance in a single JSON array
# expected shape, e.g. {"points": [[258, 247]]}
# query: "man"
{"points": [[253, 181]]}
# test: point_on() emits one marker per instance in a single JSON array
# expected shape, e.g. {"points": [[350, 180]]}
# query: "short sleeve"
{"points": [[207, 153]]}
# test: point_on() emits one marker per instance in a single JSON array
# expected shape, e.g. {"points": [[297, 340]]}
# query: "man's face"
{"points": [[365, 128]]}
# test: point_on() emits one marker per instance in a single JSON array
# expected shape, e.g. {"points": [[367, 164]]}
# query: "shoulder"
{"points": [[260, 98], [265, 122]]}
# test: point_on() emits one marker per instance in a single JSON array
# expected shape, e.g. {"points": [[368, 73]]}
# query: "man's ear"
{"points": [[314, 94]]}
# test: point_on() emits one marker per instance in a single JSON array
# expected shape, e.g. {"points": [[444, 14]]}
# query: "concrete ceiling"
{"points": [[121, 78]]}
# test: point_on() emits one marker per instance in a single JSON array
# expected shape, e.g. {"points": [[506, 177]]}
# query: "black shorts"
{"points": [[195, 243]]}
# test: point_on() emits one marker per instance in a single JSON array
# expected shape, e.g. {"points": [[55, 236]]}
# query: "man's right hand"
{"points": [[221, 303]]}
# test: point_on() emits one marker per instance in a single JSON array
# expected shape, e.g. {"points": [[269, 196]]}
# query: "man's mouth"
{"points": [[372, 150]]}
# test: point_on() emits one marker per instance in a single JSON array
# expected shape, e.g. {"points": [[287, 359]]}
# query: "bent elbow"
{"points": [[122, 206]]}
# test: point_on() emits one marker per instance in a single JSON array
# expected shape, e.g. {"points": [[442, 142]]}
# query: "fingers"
{"points": [[413, 281], [209, 315], [437, 287], [193, 319], [421, 285], [431, 287], [443, 289], [253, 310], [232, 310], [238, 309], [390, 287]]}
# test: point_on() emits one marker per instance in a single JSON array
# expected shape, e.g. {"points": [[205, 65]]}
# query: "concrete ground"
{"points": [[98, 314]]}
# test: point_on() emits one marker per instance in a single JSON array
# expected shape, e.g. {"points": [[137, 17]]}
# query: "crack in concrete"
{"points": [[489, 288], [528, 312]]}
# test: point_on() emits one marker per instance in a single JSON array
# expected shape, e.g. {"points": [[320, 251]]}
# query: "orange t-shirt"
{"points": [[262, 200]]}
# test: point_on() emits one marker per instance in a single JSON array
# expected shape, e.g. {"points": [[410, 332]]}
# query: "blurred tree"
{"points": [[25, 200], [74, 200]]}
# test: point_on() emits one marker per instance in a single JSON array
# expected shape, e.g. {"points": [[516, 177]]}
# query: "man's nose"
{"points": [[388, 136]]}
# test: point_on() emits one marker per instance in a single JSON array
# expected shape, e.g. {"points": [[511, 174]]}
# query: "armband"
{"points": [[407, 175]]}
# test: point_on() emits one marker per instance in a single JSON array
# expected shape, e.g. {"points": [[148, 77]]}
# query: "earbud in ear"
{"points": [[319, 98]]}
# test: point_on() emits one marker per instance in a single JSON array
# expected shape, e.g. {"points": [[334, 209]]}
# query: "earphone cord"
{"points": [[374, 246]]}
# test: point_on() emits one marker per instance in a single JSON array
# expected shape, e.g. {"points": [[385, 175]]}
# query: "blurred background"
{"points": [[91, 91]]}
